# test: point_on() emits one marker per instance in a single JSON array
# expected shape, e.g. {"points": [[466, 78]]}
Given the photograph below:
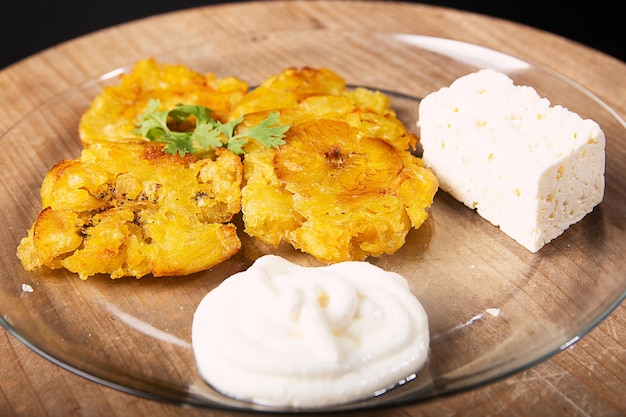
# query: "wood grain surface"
{"points": [[586, 379]]}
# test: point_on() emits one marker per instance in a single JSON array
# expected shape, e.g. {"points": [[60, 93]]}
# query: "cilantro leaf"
{"points": [[208, 133], [235, 145], [268, 132], [207, 136], [183, 111], [152, 123]]}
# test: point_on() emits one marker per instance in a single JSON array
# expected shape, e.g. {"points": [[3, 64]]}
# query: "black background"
{"points": [[31, 26]]}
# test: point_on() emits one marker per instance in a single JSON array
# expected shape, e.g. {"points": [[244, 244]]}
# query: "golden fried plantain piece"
{"points": [[129, 209], [344, 186], [288, 88], [114, 111], [311, 94]]}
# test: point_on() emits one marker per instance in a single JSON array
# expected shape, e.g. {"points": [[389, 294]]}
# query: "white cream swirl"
{"points": [[286, 335]]}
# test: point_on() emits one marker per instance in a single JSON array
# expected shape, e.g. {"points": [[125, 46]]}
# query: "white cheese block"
{"points": [[528, 167]]}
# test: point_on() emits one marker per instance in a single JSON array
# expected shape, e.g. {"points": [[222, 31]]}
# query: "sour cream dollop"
{"points": [[281, 334]]}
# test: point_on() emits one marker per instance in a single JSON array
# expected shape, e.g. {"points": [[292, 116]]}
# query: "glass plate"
{"points": [[494, 307]]}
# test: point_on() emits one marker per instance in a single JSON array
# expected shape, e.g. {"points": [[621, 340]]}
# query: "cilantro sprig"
{"points": [[208, 133]]}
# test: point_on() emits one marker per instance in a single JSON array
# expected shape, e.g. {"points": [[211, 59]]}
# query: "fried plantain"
{"points": [[113, 113], [129, 209], [345, 185]]}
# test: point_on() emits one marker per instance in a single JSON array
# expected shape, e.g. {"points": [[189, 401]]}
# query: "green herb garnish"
{"points": [[208, 133]]}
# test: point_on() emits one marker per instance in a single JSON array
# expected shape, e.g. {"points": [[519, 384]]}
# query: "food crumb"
{"points": [[27, 288], [495, 312]]}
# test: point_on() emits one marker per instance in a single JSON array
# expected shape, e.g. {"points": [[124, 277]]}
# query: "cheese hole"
{"points": [[559, 172]]}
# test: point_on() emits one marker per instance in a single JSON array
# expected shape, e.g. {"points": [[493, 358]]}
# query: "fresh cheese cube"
{"points": [[528, 167]]}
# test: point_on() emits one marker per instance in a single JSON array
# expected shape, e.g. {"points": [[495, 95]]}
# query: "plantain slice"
{"points": [[288, 88], [129, 209], [113, 113], [327, 156], [345, 185]]}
